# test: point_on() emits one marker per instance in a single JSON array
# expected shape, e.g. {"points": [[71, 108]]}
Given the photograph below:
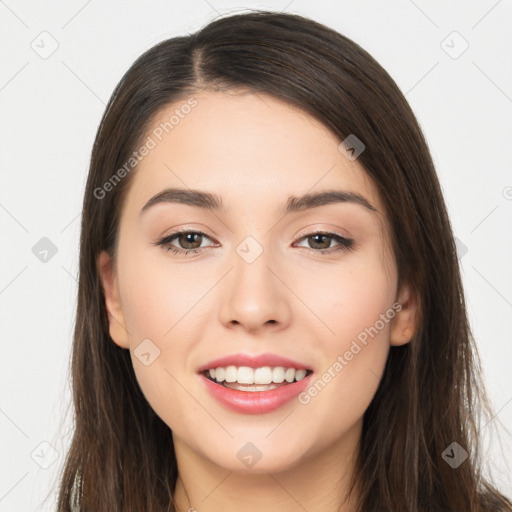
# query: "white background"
{"points": [[50, 111]]}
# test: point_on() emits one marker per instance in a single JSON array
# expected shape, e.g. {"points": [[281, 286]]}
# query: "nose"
{"points": [[254, 296]]}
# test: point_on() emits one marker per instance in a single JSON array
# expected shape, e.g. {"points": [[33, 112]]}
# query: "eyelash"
{"points": [[345, 244]]}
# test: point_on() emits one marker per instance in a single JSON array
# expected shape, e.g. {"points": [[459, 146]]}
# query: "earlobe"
{"points": [[404, 324], [109, 282]]}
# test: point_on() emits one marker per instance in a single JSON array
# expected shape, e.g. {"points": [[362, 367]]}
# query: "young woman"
{"points": [[270, 311]]}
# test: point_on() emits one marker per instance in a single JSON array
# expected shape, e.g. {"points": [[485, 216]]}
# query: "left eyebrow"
{"points": [[301, 203], [212, 202]]}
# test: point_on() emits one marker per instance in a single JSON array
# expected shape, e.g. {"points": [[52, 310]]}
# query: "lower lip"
{"points": [[255, 402]]}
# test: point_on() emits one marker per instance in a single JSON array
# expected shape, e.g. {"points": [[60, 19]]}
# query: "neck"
{"points": [[319, 482]]}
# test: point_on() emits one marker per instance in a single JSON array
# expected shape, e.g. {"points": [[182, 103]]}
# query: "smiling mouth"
{"points": [[252, 380]]}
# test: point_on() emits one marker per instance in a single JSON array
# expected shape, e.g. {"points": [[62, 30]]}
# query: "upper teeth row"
{"points": [[264, 375]]}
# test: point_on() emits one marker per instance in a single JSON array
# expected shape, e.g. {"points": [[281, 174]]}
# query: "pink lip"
{"points": [[255, 402], [257, 361]]}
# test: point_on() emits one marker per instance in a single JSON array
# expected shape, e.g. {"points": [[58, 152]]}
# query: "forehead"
{"points": [[248, 148]]}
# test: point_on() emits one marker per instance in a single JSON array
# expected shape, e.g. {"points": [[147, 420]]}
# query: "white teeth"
{"points": [[231, 374], [300, 374], [263, 376], [278, 375], [289, 375], [245, 375]]}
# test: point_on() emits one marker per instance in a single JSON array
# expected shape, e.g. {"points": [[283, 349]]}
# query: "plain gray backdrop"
{"points": [[60, 62]]}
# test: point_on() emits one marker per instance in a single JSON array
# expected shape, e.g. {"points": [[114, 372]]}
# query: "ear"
{"points": [[108, 277], [404, 324]]}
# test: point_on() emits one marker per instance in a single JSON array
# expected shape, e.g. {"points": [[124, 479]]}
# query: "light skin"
{"points": [[254, 151]]}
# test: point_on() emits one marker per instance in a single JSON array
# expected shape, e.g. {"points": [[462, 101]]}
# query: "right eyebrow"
{"points": [[191, 197]]}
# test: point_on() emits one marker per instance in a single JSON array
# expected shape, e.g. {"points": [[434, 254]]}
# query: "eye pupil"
{"points": [[183, 238], [322, 245]]}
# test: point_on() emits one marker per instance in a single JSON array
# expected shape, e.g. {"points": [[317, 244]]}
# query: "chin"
{"points": [[258, 456]]}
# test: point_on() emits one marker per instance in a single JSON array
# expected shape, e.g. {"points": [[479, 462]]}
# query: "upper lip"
{"points": [[253, 361]]}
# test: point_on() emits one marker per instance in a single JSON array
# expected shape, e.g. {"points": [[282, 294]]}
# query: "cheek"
{"points": [[157, 299], [156, 294], [349, 298], [153, 306], [357, 308]]}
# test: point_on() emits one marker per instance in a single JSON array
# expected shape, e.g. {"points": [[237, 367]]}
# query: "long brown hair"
{"points": [[431, 395]]}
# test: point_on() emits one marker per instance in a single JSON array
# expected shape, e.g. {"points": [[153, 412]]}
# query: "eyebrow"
{"points": [[294, 204]]}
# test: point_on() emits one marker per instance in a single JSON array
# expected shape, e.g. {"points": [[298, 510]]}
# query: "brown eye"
{"points": [[320, 241], [183, 242], [190, 240]]}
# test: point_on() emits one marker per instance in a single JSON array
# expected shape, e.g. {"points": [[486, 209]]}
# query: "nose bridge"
{"points": [[253, 294], [252, 262]]}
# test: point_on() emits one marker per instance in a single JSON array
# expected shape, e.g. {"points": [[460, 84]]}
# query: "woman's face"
{"points": [[256, 281]]}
